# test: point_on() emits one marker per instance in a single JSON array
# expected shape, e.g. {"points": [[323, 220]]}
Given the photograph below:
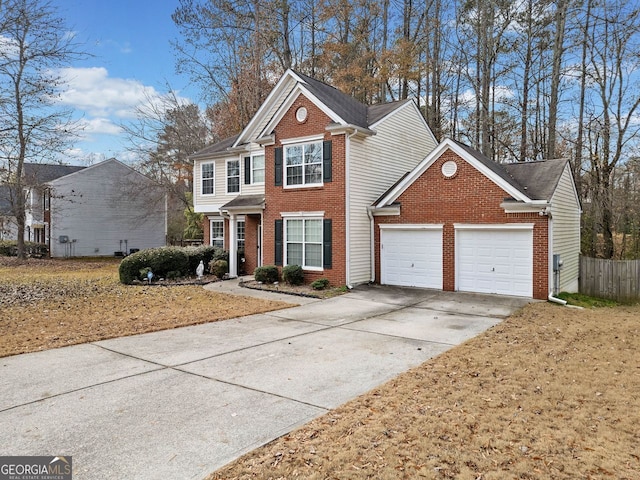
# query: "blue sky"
{"points": [[132, 59]]}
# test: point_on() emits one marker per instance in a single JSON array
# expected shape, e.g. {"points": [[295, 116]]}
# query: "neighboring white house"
{"points": [[104, 209]]}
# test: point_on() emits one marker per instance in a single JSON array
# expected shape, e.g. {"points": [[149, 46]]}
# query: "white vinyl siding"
{"points": [[565, 211], [106, 208], [401, 142], [210, 204]]}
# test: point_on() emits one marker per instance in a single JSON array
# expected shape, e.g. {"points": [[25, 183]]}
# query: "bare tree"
{"points": [[612, 104], [34, 44], [167, 131]]}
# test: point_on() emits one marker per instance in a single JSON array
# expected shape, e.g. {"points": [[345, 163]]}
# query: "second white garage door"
{"points": [[495, 260], [411, 256]]}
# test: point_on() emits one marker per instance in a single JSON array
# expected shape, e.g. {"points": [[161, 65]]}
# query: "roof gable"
{"points": [[99, 166], [493, 171]]}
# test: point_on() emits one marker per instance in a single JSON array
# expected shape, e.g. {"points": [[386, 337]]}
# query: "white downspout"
{"points": [[372, 245], [550, 297]]}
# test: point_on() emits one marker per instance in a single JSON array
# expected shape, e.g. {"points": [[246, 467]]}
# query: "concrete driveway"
{"points": [[181, 403]]}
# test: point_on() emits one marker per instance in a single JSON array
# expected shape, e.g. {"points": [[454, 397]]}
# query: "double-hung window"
{"points": [[303, 238], [233, 176], [257, 169], [208, 178], [303, 164], [217, 233]]}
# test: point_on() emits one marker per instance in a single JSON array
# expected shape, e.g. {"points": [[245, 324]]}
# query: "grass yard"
{"points": [[54, 303], [552, 393]]}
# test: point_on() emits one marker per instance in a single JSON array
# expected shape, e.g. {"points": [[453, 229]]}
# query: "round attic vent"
{"points": [[449, 168], [301, 114]]}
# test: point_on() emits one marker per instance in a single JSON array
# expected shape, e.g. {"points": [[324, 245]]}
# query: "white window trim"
{"points": [[253, 182], [302, 216], [493, 226], [285, 144], [202, 179], [308, 139], [226, 176]]}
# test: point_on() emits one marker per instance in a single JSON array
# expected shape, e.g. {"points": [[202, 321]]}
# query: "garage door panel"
{"points": [[411, 257], [495, 261]]}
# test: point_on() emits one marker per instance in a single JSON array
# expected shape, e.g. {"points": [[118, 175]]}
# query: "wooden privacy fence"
{"points": [[615, 279]]}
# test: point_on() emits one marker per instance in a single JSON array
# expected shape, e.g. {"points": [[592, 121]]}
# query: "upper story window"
{"points": [[257, 169], [303, 164], [208, 178], [233, 176]]}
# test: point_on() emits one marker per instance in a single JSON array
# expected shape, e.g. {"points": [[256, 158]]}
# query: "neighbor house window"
{"points": [[217, 233], [208, 178], [257, 169], [233, 176], [303, 164], [303, 239]]}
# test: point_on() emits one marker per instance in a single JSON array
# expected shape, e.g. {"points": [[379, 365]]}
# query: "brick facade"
{"points": [[328, 198], [468, 197]]}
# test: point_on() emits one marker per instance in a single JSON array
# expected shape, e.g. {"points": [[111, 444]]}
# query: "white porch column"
{"points": [[233, 246]]}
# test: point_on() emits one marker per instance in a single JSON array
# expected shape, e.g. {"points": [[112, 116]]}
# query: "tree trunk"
{"points": [[558, 52]]}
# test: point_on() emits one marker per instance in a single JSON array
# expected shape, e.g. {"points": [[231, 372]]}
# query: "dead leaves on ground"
{"points": [[59, 303], [549, 393]]}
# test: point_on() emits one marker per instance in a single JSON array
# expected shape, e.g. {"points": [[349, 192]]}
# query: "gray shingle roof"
{"points": [[347, 107], [243, 201], [217, 148], [39, 173], [537, 180]]}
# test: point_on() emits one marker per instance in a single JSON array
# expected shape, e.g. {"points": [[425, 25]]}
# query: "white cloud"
{"points": [[99, 125], [93, 91]]}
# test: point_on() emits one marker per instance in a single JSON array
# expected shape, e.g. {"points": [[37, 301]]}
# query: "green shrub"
{"points": [[219, 268], [320, 284], [9, 248], [293, 274], [266, 274], [206, 253], [160, 261]]}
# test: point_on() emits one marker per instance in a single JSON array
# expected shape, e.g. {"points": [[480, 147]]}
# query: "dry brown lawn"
{"points": [[54, 303], [551, 392]]}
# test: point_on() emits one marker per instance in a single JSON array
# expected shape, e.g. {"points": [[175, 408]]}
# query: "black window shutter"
{"points": [[326, 161], [247, 170], [326, 243], [278, 164], [278, 238]]}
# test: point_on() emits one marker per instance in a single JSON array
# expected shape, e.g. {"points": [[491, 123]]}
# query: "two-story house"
{"points": [[294, 186], [91, 211], [357, 194]]}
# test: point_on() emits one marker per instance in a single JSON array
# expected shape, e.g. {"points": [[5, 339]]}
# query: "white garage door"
{"points": [[495, 260], [411, 257]]}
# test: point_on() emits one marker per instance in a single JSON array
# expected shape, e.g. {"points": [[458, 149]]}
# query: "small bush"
{"points": [[266, 274], [9, 248], [160, 261], [219, 268], [320, 284], [207, 254], [293, 274]]}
